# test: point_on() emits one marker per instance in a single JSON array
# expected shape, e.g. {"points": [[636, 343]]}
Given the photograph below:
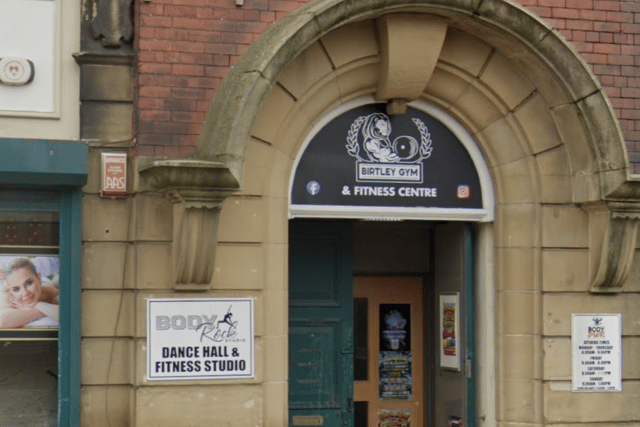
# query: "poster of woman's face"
{"points": [[30, 291]]}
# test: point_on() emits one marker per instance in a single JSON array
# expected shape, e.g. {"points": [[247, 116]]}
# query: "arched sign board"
{"points": [[362, 163]]}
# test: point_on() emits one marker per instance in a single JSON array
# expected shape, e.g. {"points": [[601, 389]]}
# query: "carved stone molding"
{"points": [[93, 58], [197, 188], [112, 21], [194, 244], [618, 247]]}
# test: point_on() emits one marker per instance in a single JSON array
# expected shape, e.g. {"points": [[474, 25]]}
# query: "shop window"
{"points": [[39, 311]]}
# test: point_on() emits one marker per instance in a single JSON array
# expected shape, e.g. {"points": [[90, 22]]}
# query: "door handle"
{"points": [[347, 350]]}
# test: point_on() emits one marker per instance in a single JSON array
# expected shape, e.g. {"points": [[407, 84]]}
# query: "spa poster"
{"points": [[30, 286]]}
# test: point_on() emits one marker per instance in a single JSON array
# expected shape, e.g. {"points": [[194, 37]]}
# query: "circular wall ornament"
{"points": [[16, 71]]}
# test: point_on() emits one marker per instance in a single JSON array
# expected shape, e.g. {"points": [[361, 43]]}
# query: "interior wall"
{"points": [[391, 247], [29, 385]]}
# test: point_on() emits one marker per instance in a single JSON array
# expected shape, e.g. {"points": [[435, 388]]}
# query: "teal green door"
{"points": [[320, 324]]}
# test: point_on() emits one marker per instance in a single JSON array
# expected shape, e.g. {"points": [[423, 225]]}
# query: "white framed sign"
{"points": [[450, 331], [596, 347], [360, 162], [200, 338], [40, 49]]}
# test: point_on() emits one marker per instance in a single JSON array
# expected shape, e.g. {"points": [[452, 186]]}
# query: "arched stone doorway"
{"points": [[538, 115]]}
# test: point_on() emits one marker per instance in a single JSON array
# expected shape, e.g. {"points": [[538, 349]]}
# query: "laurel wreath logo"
{"points": [[425, 139], [353, 148], [352, 138]]}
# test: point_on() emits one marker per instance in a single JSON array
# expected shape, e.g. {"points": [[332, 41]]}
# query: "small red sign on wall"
{"points": [[114, 175]]}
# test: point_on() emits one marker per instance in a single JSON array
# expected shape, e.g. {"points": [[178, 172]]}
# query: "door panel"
{"points": [[395, 380], [452, 275], [312, 358], [320, 324]]}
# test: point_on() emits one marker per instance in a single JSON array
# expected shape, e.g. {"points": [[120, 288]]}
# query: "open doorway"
{"points": [[377, 323]]}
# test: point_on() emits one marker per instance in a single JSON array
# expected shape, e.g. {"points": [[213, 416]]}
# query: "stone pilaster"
{"points": [[197, 188]]}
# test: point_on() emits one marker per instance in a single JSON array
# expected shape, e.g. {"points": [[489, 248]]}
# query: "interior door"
{"points": [[453, 274], [320, 324], [389, 343]]}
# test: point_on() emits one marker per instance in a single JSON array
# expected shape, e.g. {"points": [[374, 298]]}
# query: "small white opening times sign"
{"points": [[596, 345]]}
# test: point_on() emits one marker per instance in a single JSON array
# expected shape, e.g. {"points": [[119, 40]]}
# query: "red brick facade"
{"points": [[187, 46], [607, 35]]}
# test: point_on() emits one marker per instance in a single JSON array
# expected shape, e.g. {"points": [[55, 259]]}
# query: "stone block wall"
{"points": [[564, 293], [126, 259]]}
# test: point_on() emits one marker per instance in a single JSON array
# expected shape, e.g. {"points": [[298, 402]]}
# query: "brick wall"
{"points": [[187, 46], [185, 49], [607, 35]]}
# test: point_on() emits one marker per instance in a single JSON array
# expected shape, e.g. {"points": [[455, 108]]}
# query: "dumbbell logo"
{"points": [[16, 71]]}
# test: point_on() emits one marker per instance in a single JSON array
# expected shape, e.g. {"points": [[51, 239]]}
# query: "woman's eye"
{"points": [[16, 290]]}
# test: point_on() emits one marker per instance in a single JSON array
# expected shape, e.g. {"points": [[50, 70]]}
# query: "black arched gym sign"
{"points": [[365, 161]]}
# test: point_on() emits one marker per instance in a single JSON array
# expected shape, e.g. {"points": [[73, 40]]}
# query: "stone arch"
{"points": [[582, 115]]}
